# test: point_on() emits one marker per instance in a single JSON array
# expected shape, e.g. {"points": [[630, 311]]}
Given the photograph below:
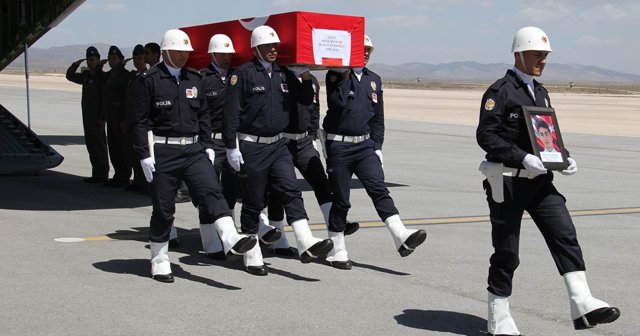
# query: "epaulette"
{"points": [[149, 72], [498, 84], [193, 71]]}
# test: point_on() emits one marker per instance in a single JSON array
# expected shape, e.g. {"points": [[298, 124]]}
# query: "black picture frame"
{"points": [[545, 136]]}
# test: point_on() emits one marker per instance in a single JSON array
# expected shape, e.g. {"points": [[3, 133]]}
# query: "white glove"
{"points": [[235, 158], [148, 167], [533, 164], [379, 154], [212, 155], [572, 169], [299, 69]]}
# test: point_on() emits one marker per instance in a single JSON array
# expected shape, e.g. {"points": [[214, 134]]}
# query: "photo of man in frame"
{"points": [[546, 139]]}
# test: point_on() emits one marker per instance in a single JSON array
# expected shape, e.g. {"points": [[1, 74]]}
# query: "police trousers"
{"points": [[345, 159], [264, 165], [174, 164], [225, 176], [307, 160], [547, 208]]}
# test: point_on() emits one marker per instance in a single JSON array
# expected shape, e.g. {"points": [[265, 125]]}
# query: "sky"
{"points": [[587, 32]]}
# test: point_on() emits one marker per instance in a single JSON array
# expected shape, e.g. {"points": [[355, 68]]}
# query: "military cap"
{"points": [[138, 50], [113, 50], [92, 51]]}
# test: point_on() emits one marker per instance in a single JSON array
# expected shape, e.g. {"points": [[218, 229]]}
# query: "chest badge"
{"points": [[192, 92], [373, 85], [374, 97], [233, 80]]}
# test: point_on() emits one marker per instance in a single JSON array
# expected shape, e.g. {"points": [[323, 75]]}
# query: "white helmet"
{"points": [[367, 42], [530, 38], [176, 39], [263, 35], [221, 43]]}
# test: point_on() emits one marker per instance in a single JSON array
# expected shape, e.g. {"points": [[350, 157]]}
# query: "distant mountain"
{"points": [[57, 59], [474, 72]]}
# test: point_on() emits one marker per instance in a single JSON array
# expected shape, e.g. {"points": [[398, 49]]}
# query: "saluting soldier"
{"points": [[93, 117], [115, 98]]}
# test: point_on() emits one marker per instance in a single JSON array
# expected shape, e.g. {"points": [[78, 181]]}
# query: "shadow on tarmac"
{"points": [[141, 267], [62, 140], [56, 191], [443, 321]]}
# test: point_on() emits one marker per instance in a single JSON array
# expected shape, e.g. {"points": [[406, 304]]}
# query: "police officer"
{"points": [[518, 181], [221, 52], [304, 123], [260, 96], [168, 101], [138, 184], [115, 96], [354, 127], [152, 53], [93, 117], [152, 58]]}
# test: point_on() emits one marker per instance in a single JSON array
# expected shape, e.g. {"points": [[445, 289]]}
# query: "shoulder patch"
{"points": [[489, 104]]}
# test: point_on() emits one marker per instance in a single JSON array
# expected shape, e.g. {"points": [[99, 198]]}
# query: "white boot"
{"points": [[582, 303], [309, 247], [211, 244], [234, 244], [253, 261], [281, 243], [160, 265], [500, 321], [405, 240], [338, 256], [267, 233]]}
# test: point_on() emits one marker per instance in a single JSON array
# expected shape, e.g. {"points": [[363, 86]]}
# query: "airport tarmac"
{"points": [[75, 259]]}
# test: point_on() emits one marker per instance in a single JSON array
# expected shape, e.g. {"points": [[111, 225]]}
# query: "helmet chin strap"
{"points": [[524, 65], [215, 61], [170, 61], [258, 55]]}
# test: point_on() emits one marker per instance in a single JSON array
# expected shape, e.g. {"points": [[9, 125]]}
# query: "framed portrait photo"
{"points": [[545, 136]]}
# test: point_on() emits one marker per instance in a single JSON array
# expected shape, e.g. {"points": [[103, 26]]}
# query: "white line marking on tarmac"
{"points": [[69, 240]]}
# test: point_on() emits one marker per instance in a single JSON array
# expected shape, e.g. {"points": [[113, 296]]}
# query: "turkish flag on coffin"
{"points": [[313, 39]]}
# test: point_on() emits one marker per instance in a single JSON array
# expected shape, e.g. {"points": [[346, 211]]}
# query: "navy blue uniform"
{"points": [[301, 132], [503, 134], [260, 106], [115, 101], [355, 109], [93, 118], [172, 109], [214, 86]]}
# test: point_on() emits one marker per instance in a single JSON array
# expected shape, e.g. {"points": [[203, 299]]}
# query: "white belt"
{"points": [[295, 136], [347, 138], [518, 172], [259, 139], [216, 136], [175, 140]]}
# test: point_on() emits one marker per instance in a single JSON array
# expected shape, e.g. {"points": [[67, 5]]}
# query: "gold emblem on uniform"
{"points": [[489, 104], [373, 85], [233, 80]]}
